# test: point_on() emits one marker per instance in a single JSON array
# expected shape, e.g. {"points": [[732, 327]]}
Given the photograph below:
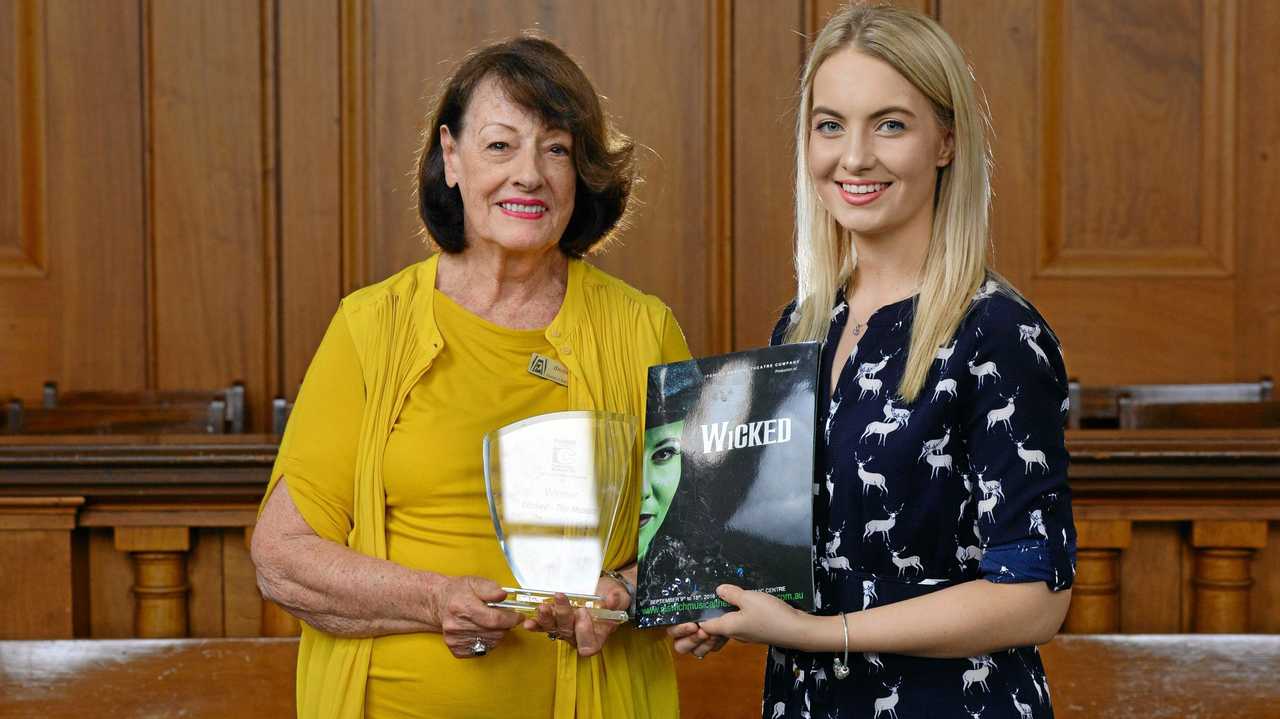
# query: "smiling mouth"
{"points": [[522, 210], [859, 194], [864, 188], [644, 519]]}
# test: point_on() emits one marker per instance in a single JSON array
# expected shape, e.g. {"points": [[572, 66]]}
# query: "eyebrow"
{"points": [[891, 110]]}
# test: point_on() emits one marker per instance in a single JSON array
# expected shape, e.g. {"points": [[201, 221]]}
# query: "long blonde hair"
{"points": [[956, 260]]}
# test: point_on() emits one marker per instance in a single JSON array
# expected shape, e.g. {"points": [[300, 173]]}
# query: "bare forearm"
{"points": [[343, 592], [969, 619]]}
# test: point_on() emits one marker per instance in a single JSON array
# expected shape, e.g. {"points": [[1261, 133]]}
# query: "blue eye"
{"points": [[497, 146], [828, 127], [894, 126], [559, 150]]}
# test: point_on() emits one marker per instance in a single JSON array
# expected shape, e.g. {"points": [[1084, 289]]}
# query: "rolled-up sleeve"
{"points": [[1014, 426], [318, 451]]}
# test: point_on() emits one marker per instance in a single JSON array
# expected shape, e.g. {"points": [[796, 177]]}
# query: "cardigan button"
{"points": [[566, 350]]}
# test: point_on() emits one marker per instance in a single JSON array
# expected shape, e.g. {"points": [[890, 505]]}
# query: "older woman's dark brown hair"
{"points": [[539, 76]]}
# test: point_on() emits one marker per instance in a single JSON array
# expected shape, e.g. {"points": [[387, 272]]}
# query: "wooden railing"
{"points": [[147, 536]]}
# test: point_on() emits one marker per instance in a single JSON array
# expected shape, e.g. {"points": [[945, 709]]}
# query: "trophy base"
{"points": [[527, 601]]}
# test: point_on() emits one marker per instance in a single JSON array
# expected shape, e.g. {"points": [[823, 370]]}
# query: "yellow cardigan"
{"points": [[607, 334]]}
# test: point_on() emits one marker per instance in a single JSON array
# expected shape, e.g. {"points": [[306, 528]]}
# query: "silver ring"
{"points": [[552, 636], [699, 657], [479, 648]]}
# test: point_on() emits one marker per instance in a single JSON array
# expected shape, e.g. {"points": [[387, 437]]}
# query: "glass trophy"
{"points": [[555, 485]]}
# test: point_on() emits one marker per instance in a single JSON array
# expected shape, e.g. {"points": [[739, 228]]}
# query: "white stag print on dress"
{"points": [[866, 376], [1030, 457], [977, 676], [869, 479], [984, 370], [944, 386], [905, 564], [882, 526], [932, 454], [1028, 334], [887, 704], [1002, 415], [944, 355]]}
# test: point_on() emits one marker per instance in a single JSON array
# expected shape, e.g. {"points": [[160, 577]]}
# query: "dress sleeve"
{"points": [[318, 451], [1013, 428], [674, 346], [782, 325]]}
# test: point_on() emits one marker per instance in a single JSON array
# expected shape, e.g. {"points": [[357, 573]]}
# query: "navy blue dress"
{"points": [[967, 482]]}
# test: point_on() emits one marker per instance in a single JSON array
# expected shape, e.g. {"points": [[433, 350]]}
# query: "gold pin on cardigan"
{"points": [[548, 368]]}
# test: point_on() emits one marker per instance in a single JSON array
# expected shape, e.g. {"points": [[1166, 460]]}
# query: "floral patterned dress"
{"points": [[967, 482]]}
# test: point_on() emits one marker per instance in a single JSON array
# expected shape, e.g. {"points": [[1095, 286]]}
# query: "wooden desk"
{"points": [[1178, 532], [119, 536]]}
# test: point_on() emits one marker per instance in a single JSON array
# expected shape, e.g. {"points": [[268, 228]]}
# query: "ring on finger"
{"points": [[479, 648]]}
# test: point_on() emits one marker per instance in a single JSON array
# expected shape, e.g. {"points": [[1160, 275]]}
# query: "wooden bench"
{"points": [[1113, 676], [1135, 414], [1098, 406], [167, 412]]}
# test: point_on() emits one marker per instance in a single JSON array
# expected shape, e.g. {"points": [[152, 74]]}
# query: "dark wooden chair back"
{"points": [[1098, 406], [1199, 415], [206, 418], [233, 398], [281, 408]]}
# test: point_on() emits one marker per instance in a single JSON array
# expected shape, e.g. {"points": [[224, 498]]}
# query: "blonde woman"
{"points": [[944, 544]]}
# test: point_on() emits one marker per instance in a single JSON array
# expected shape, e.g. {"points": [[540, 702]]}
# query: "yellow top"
{"points": [[349, 454]]}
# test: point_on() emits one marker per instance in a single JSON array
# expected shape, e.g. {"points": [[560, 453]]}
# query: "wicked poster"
{"points": [[728, 482]]}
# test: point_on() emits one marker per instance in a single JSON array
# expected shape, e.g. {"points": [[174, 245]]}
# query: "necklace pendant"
{"points": [[839, 668], [857, 329]]}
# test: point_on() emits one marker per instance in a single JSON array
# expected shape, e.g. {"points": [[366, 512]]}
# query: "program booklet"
{"points": [[728, 482]]}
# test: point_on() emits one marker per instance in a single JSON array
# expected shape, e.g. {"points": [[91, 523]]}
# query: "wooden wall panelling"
{"points": [[413, 46], [1257, 212], [242, 608], [1075, 202], [1151, 579], [677, 247], [36, 560], [76, 245], [410, 47], [310, 144], [1264, 602], [211, 197], [1100, 60], [206, 604], [23, 240], [110, 577], [1114, 210], [999, 39], [18, 46], [768, 51]]}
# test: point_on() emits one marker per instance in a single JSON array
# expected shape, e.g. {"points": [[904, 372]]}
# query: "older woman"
{"points": [[375, 530]]}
